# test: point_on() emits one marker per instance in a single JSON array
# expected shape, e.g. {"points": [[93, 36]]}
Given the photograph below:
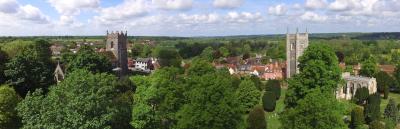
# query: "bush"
{"points": [[269, 101], [361, 95], [274, 86], [376, 125], [391, 111], [386, 92], [256, 119], [357, 117], [372, 110]]}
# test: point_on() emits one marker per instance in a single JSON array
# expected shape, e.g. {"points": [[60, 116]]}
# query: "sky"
{"points": [[196, 17]]}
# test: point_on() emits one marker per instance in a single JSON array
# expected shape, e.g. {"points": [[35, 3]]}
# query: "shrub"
{"points": [[357, 117], [274, 86], [269, 101], [376, 125], [361, 95], [391, 111], [372, 110], [256, 119]]}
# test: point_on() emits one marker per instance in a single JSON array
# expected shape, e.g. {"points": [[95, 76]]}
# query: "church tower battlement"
{"points": [[116, 42], [295, 46]]}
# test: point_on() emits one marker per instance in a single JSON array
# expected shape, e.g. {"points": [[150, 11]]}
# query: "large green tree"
{"points": [[372, 109], [82, 100], [247, 94], [384, 81], [167, 57], [211, 103], [316, 111], [318, 69], [31, 68], [8, 114], [369, 67], [274, 86], [157, 99], [88, 59], [208, 54]]}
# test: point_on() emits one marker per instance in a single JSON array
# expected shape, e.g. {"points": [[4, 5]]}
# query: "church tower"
{"points": [[117, 44], [295, 46]]}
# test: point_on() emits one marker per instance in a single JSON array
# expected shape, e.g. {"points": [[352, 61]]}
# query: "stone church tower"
{"points": [[117, 44], [295, 46]]}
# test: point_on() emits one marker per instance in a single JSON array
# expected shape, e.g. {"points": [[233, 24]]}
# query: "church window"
{"points": [[112, 44]]}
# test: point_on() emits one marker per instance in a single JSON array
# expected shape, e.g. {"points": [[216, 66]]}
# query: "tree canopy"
{"points": [[82, 100], [88, 59], [8, 114], [247, 94]]}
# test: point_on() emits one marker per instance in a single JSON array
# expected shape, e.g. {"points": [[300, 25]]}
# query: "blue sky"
{"points": [[196, 17]]}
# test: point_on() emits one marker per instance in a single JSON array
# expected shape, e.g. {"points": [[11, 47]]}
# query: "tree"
{"points": [[8, 101], [86, 58], [82, 100], [372, 110], [274, 86], [200, 67], [3, 60], [247, 94], [391, 111], [369, 67], [211, 103], [384, 82], [167, 57], [361, 95], [208, 54], [224, 51], [316, 111], [137, 48], [256, 119], [28, 71], [318, 69], [357, 117], [269, 101], [257, 82], [157, 99]]}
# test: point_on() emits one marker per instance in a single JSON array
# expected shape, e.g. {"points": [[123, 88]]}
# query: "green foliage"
{"points": [[274, 86], [257, 82], [224, 51], [318, 69], [200, 67], [396, 75], [211, 103], [357, 117], [256, 119], [247, 94], [208, 54], [316, 111], [361, 95], [157, 99], [167, 57], [376, 124], [372, 109], [30, 69], [384, 82], [86, 58], [369, 68], [391, 111], [8, 114], [269, 101], [3, 59], [82, 100]]}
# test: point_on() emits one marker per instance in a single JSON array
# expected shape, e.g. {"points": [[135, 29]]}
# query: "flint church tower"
{"points": [[117, 44], [295, 46]]}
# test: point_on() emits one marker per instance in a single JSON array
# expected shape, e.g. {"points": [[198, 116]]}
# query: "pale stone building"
{"points": [[117, 44], [295, 46], [353, 83]]}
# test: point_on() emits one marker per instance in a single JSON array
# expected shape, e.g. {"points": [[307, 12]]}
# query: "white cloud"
{"points": [[228, 4], [129, 9], [173, 4], [244, 17], [313, 17], [31, 13], [316, 4], [8, 6], [73, 7], [200, 18], [277, 10]]}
